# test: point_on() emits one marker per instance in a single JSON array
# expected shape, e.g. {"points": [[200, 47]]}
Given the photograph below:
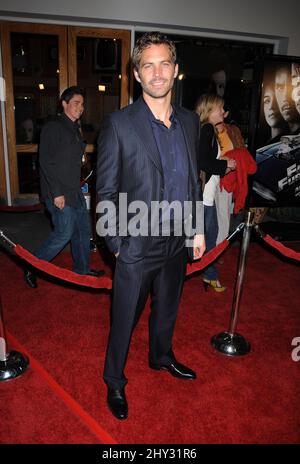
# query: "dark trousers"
{"points": [[163, 271], [211, 233]]}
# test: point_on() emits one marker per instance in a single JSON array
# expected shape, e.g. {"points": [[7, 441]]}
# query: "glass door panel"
{"points": [[98, 62], [35, 71], [39, 62], [35, 68], [99, 73]]}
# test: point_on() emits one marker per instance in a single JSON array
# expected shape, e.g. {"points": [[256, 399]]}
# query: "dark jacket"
{"points": [[60, 155], [129, 162], [208, 152]]}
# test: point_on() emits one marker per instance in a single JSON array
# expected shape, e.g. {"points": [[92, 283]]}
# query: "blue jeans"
{"points": [[70, 224], [211, 229]]}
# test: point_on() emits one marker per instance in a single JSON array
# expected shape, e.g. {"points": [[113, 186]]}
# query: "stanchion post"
{"points": [[12, 364], [231, 343]]}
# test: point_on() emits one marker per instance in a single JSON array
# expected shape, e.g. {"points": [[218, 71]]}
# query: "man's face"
{"points": [[283, 94], [74, 108], [296, 84], [271, 111], [156, 72]]}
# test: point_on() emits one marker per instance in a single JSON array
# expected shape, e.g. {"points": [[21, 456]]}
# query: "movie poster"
{"points": [[277, 141]]}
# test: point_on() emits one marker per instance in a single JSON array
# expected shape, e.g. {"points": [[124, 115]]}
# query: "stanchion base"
{"points": [[15, 365], [230, 344]]}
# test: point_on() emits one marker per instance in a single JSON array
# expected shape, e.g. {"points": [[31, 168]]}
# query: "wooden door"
{"points": [[39, 62]]}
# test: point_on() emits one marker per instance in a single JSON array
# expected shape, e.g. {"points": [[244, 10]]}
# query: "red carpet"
{"points": [[61, 399]]}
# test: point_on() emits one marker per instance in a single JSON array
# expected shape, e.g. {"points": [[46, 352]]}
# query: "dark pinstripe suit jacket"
{"points": [[129, 162]]}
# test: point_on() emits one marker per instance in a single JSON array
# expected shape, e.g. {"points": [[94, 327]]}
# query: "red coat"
{"points": [[237, 181]]}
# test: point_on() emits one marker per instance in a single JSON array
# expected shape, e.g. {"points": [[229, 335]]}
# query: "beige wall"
{"points": [[261, 17]]}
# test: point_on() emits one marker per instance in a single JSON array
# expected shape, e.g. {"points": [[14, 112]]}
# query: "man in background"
{"points": [[60, 154]]}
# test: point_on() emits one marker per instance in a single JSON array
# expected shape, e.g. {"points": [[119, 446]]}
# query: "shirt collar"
{"points": [[173, 116]]}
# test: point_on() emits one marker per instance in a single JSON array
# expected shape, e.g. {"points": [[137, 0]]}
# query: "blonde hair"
{"points": [[206, 104]]}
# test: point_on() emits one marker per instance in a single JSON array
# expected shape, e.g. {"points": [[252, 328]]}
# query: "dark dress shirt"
{"points": [[173, 153]]}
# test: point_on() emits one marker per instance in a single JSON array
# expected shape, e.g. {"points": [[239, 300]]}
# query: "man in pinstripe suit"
{"points": [[147, 152]]}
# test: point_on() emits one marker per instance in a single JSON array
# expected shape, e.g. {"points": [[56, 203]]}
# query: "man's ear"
{"points": [[136, 75], [176, 70]]}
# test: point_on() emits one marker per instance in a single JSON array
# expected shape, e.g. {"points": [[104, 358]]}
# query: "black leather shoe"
{"points": [[94, 273], [117, 403], [176, 369], [30, 278]]}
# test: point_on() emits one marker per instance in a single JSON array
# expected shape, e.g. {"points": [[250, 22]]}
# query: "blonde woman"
{"points": [[214, 143]]}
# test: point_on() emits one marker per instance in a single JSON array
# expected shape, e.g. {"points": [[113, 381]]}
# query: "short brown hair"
{"points": [[206, 103], [148, 39], [69, 93]]}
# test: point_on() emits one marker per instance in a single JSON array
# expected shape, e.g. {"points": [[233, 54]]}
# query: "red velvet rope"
{"points": [[281, 248], [21, 209], [63, 274], [105, 282], [208, 258]]}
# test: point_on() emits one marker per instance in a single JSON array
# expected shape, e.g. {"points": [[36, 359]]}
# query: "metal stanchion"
{"points": [[12, 364], [232, 343]]}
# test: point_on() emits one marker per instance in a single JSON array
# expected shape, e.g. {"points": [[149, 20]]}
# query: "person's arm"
{"points": [[49, 160], [59, 202], [231, 164], [207, 158], [198, 220], [199, 246], [107, 184]]}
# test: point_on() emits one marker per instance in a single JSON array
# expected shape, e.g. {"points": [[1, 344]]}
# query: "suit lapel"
{"points": [[185, 124], [143, 129]]}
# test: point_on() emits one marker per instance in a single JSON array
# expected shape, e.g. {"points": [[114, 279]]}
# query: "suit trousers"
{"points": [[161, 271]]}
